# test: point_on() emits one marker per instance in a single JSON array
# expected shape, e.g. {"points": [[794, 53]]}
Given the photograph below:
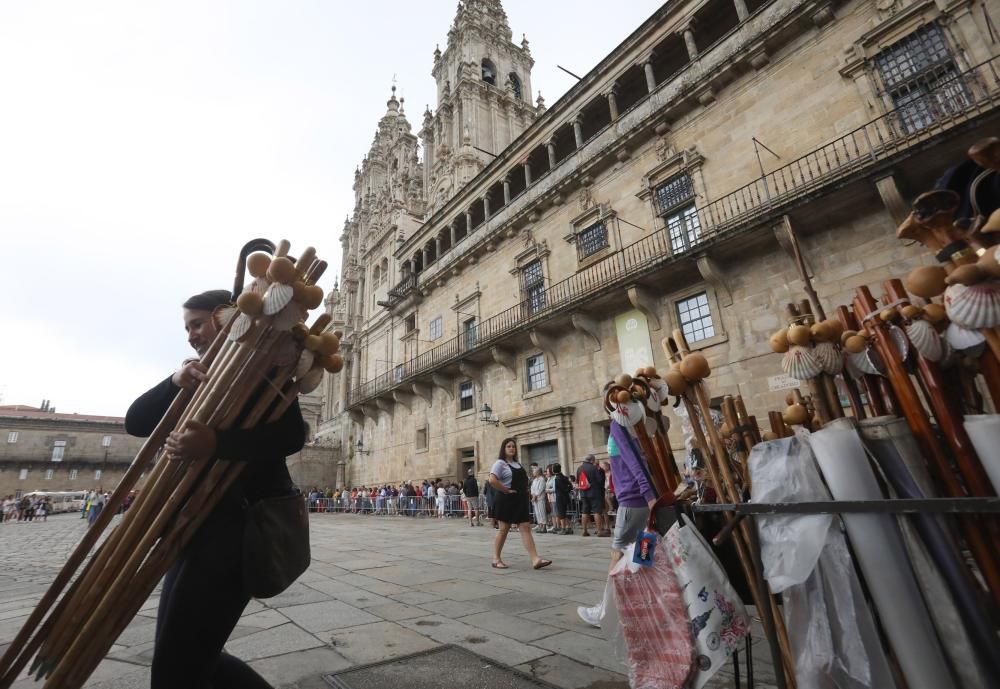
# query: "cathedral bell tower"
{"points": [[483, 98]]}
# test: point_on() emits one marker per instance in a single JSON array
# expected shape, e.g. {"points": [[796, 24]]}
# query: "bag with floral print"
{"points": [[719, 622]]}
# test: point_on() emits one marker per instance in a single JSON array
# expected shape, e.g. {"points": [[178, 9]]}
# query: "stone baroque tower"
{"points": [[388, 203], [484, 98]]}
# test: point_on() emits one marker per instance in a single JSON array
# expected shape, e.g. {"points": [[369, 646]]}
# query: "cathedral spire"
{"points": [[485, 13]]}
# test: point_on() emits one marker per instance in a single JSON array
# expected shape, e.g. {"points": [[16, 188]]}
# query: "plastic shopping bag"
{"points": [[648, 623], [718, 620]]}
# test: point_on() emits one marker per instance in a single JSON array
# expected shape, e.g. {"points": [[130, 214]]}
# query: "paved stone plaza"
{"points": [[378, 588]]}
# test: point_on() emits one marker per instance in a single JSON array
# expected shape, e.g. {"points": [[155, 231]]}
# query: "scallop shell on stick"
{"points": [[222, 315], [306, 360], [311, 380], [973, 306], [258, 286], [242, 327], [289, 317], [676, 382], [926, 281], [963, 339], [801, 364], [925, 340], [969, 274], [628, 414], [829, 357], [277, 297]]}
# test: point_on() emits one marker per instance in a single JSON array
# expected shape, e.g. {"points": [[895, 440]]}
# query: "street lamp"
{"points": [[360, 448], [486, 415]]}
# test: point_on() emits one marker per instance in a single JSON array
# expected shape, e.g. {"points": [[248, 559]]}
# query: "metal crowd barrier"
{"points": [[454, 506]]}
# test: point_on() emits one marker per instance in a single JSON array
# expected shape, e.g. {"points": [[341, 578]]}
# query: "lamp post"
{"points": [[486, 415]]}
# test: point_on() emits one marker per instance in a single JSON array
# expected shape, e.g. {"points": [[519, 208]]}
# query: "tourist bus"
{"points": [[60, 501]]}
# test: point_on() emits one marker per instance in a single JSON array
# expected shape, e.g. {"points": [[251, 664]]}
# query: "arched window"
{"points": [[376, 275], [489, 72], [516, 83]]}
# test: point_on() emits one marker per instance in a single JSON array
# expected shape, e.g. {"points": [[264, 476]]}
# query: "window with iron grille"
{"points": [[695, 318], [537, 378], [465, 401], [683, 228], [919, 74], [533, 283], [592, 239], [435, 328], [673, 193]]}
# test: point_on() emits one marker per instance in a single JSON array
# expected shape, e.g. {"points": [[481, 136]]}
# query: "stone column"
{"points": [[650, 76], [486, 207], [468, 222], [741, 9], [344, 386], [550, 146], [454, 231], [578, 130], [613, 102], [527, 174], [437, 247], [356, 369], [506, 190], [425, 256], [689, 43]]}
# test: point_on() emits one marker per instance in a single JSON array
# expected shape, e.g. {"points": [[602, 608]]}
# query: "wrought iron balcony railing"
{"points": [[403, 289], [879, 142]]}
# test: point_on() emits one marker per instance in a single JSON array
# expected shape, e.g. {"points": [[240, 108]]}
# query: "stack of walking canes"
{"points": [[263, 357], [724, 452]]}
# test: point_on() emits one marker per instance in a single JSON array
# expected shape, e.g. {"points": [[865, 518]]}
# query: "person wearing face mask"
{"points": [[203, 596]]}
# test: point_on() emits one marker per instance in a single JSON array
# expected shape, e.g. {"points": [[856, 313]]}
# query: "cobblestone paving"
{"points": [[363, 600]]}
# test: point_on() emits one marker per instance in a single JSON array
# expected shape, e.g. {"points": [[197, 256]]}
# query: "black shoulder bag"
{"points": [[275, 544]]}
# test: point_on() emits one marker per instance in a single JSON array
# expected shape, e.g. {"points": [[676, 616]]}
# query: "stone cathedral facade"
{"points": [[505, 260]]}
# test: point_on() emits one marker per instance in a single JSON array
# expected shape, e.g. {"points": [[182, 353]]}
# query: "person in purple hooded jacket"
{"points": [[636, 496]]}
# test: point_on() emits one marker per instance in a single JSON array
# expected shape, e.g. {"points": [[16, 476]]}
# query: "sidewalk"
{"points": [[381, 588]]}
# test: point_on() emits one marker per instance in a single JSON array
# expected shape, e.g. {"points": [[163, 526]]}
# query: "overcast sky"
{"points": [[142, 143]]}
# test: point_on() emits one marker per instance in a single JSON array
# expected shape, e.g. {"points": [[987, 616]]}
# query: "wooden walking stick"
{"points": [[984, 553], [16, 656], [693, 369]]}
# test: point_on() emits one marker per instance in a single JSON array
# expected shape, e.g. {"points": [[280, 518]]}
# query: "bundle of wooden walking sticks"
{"points": [[263, 357]]}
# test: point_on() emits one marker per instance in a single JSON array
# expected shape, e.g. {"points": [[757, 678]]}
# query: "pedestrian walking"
{"points": [[636, 497], [590, 483], [470, 489], [563, 491], [510, 480]]}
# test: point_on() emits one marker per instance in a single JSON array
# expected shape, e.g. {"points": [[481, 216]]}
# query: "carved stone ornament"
{"points": [[586, 198]]}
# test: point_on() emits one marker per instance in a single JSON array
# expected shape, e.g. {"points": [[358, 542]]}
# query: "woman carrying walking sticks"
{"points": [[202, 596], [510, 481]]}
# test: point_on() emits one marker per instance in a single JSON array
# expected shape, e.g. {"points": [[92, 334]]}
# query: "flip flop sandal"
{"points": [[543, 563], [501, 565]]}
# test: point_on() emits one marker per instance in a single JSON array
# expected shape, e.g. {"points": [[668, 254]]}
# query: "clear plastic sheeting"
{"points": [[830, 628], [782, 471], [648, 623]]}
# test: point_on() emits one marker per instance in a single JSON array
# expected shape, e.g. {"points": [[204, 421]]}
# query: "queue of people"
{"points": [[25, 509]]}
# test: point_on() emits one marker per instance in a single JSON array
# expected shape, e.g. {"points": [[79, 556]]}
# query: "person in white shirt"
{"points": [[538, 500], [441, 493]]}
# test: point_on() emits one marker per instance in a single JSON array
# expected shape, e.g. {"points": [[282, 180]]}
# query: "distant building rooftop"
{"points": [[24, 411]]}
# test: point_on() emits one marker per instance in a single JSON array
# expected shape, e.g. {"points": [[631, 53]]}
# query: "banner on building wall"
{"points": [[634, 344]]}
